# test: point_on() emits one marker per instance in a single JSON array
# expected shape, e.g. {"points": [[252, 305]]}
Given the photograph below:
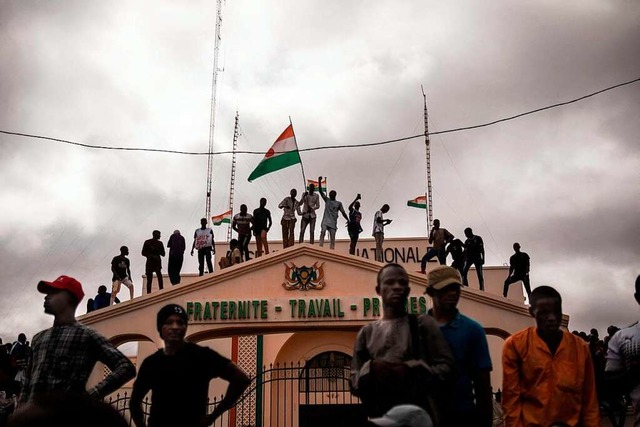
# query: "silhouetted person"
{"points": [[234, 256], [473, 255], [330, 217], [178, 377], [261, 226], [378, 230], [518, 270], [153, 250], [438, 237], [90, 305], [289, 206], [177, 245], [205, 245], [21, 353], [65, 354], [456, 249], [120, 267], [548, 376], [309, 204], [353, 226], [103, 298], [241, 224]]}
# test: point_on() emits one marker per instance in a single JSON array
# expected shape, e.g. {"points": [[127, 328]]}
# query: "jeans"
{"points": [[440, 253], [353, 235], [149, 270], [332, 236], [243, 245], [205, 253], [288, 226], [379, 237], [477, 263], [303, 226], [515, 278]]}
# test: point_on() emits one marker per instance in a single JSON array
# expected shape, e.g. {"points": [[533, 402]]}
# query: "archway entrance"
{"points": [[324, 393]]}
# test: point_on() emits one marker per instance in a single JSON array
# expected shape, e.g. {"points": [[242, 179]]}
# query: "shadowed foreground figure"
{"points": [[472, 402], [66, 410], [178, 377], [65, 354], [623, 359], [548, 376], [401, 358]]}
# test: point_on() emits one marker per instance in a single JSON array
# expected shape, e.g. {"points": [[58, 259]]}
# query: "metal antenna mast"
{"points": [[428, 193], [232, 184], [212, 120]]}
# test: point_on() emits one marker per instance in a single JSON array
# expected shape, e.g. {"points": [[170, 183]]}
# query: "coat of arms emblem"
{"points": [[304, 278]]}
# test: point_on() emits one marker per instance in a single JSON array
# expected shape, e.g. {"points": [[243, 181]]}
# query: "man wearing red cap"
{"points": [[65, 354]]}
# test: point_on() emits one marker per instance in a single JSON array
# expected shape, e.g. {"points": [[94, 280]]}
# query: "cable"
{"points": [[328, 147]]}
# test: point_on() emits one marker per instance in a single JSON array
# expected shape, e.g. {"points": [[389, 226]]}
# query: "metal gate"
{"points": [[288, 395]]}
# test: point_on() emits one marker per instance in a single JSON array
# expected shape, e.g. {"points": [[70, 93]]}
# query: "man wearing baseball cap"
{"points": [[65, 354], [472, 402], [178, 376]]}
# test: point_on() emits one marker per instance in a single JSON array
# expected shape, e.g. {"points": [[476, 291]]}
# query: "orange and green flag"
{"points": [[419, 202], [223, 218], [282, 154]]}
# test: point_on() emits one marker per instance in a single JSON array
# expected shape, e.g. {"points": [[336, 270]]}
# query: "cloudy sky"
{"points": [[564, 182]]}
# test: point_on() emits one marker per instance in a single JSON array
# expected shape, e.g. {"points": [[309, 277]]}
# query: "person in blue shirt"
{"points": [[472, 401], [103, 298]]}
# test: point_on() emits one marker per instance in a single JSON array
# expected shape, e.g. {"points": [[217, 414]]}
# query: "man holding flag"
{"points": [[310, 203], [330, 217]]}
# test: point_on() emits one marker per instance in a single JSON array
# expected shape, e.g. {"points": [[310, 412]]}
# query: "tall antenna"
{"points": [[212, 119], [232, 184], [428, 192]]}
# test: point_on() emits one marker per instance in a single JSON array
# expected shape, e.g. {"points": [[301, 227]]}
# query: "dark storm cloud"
{"points": [[561, 182]]}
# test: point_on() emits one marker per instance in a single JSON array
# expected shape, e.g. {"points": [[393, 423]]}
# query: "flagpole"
{"points": [[295, 140]]}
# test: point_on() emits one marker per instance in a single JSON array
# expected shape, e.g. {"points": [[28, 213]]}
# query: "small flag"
{"points": [[315, 183], [418, 202], [282, 154], [223, 218]]}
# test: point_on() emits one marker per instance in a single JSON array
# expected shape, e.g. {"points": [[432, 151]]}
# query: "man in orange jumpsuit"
{"points": [[548, 374]]}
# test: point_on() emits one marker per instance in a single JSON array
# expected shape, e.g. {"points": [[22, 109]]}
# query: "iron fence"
{"points": [[287, 395]]}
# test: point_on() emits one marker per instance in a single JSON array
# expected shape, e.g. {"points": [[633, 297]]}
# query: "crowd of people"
{"points": [[432, 369], [464, 255]]}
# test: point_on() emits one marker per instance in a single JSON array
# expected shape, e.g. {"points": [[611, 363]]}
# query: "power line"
{"points": [[327, 147]]}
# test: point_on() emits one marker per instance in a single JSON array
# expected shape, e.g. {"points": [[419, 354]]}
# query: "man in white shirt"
{"points": [[204, 244], [623, 356], [378, 230], [330, 217]]}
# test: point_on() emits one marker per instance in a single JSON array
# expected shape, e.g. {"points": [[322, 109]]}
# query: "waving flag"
{"points": [[315, 183], [418, 202], [283, 153], [223, 218]]}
